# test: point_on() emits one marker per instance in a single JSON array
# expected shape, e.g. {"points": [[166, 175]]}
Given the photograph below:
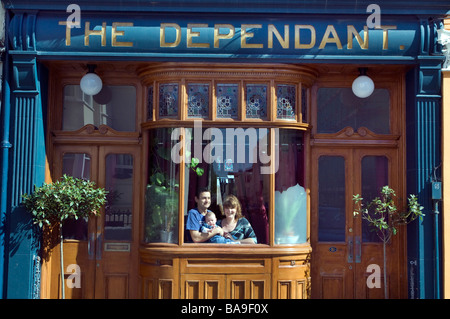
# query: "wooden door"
{"points": [[345, 251], [104, 248]]}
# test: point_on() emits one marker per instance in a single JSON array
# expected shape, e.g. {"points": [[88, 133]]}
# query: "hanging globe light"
{"points": [[363, 86], [91, 83]]}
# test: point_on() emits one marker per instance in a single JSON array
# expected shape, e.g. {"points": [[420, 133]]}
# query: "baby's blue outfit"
{"points": [[217, 239]]}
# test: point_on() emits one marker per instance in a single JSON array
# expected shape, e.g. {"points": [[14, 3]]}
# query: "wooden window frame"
{"points": [[270, 75]]}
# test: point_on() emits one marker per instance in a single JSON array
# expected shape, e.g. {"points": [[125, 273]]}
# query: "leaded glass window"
{"points": [[286, 102], [256, 101], [168, 100], [227, 100], [198, 100]]}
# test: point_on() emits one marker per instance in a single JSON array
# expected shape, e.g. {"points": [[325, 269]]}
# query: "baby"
{"points": [[209, 224]]}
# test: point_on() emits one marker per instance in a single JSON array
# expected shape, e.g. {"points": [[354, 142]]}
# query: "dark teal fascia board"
{"points": [[289, 38], [226, 58], [436, 7]]}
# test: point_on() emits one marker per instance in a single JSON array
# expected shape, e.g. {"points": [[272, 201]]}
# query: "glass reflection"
{"points": [[338, 108], [290, 195], [119, 207], [374, 175], [161, 195], [235, 156], [114, 106], [332, 198]]}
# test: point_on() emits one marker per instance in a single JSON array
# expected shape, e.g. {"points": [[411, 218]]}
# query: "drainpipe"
{"points": [[5, 146], [437, 279]]}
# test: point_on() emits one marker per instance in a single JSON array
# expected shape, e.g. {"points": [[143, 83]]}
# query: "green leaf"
{"points": [[194, 162], [199, 171]]}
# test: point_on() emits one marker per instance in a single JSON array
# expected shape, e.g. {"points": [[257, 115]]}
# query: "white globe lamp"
{"points": [[91, 83], [363, 86]]}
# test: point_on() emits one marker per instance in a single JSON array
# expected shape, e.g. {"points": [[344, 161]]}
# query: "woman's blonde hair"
{"points": [[231, 201]]}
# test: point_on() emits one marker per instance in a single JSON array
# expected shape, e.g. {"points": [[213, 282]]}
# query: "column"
{"points": [[26, 165]]}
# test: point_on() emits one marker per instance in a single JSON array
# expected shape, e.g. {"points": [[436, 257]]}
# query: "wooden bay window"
{"points": [[244, 127]]}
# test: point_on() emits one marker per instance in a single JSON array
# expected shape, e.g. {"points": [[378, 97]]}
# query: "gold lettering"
{"points": [[191, 34], [162, 35], [351, 31], [284, 42], [115, 34], [245, 35], [311, 44], [88, 32], [326, 38], [385, 29], [222, 36], [68, 33]]}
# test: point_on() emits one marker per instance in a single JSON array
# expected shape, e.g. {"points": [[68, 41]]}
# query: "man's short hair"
{"points": [[202, 190]]}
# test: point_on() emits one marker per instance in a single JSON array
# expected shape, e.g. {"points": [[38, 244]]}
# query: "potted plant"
{"points": [[68, 198], [383, 216], [162, 204]]}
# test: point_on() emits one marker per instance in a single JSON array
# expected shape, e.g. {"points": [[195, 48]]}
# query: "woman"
{"points": [[234, 225]]}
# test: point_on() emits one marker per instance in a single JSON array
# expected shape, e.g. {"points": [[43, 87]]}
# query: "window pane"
{"points": [[227, 100], [114, 106], [119, 207], [338, 108], [256, 101], [290, 195], [286, 101], [77, 165], [198, 100], [231, 160], [168, 100], [331, 198], [374, 176], [161, 197]]}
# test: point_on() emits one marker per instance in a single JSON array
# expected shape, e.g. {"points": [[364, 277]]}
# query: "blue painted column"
{"points": [[423, 129], [26, 166]]}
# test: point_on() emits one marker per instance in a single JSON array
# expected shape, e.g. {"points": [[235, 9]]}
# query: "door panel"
{"points": [[103, 247], [343, 245], [117, 267], [331, 251], [81, 162]]}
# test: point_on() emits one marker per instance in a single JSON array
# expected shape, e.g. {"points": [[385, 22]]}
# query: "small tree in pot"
{"points": [[384, 217], [69, 197]]}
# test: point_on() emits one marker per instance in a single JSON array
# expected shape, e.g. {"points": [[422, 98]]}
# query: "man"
{"points": [[197, 215]]}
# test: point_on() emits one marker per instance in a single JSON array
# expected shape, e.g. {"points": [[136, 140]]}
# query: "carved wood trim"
{"points": [[361, 137], [166, 71], [89, 134]]}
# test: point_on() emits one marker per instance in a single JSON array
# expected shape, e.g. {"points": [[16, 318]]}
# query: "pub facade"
{"points": [[254, 99]]}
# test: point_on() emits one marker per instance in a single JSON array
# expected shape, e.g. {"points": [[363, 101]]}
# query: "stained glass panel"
{"points": [[198, 100], [286, 102], [256, 101], [227, 100], [168, 100]]}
